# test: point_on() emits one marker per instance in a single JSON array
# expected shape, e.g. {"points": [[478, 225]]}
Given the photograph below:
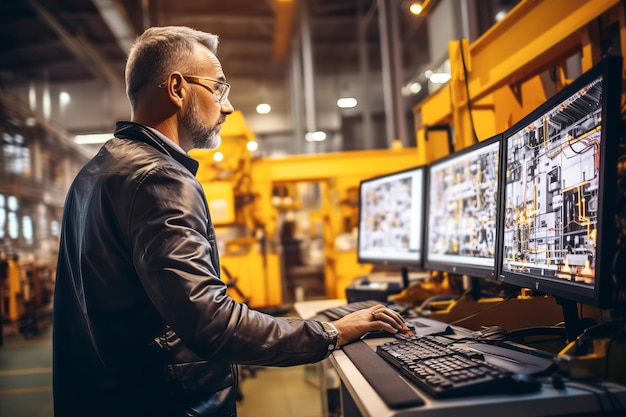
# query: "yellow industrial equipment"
{"points": [[514, 67], [225, 177], [495, 80], [248, 198], [26, 288], [338, 176]]}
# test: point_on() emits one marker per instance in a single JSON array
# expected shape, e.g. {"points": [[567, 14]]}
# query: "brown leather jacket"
{"points": [[142, 322]]}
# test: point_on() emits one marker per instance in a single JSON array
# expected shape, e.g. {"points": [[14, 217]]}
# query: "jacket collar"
{"points": [[136, 131]]}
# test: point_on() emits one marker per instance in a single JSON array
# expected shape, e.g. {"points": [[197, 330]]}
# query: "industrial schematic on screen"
{"points": [[552, 190], [462, 208], [390, 222]]}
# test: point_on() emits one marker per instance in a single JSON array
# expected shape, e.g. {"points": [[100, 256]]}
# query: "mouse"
{"points": [[523, 384], [493, 333], [375, 334]]}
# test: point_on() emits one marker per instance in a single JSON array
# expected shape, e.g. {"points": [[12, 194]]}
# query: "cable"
{"points": [[507, 298], [469, 102], [597, 389]]}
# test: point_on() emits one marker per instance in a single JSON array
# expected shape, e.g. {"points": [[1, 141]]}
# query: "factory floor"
{"points": [[26, 383]]}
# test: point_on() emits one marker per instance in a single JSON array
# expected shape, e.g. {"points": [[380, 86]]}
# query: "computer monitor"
{"points": [[461, 211], [391, 219], [559, 195]]}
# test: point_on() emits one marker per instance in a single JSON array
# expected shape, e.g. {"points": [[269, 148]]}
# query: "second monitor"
{"points": [[461, 211]]}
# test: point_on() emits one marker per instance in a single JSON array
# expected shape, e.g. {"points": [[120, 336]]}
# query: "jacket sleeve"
{"points": [[176, 259]]}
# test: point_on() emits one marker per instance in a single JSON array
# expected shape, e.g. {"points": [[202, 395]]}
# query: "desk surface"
{"points": [[575, 398]]}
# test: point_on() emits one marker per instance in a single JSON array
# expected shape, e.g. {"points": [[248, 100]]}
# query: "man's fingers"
{"points": [[386, 315]]}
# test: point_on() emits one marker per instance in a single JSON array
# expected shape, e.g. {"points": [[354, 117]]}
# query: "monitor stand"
{"points": [[471, 286], [404, 271], [574, 326]]}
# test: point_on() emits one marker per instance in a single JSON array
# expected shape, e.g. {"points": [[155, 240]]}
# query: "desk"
{"points": [[360, 399], [328, 378]]}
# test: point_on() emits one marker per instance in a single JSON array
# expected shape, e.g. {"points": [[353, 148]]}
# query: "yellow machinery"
{"points": [[507, 71], [26, 289], [241, 193], [247, 196], [496, 80]]}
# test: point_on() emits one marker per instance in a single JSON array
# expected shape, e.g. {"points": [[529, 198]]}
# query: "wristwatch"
{"points": [[331, 335]]}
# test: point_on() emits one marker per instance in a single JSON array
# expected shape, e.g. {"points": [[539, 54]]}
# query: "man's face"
{"points": [[204, 114], [203, 135]]}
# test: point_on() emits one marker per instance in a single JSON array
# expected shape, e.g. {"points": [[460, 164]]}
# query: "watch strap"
{"points": [[331, 334]]}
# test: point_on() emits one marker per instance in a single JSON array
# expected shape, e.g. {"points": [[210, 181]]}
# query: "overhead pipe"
{"points": [[307, 67], [391, 71], [296, 97], [364, 19], [397, 67], [390, 131]]}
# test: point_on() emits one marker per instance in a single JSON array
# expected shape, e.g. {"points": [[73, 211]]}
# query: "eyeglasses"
{"points": [[219, 89]]}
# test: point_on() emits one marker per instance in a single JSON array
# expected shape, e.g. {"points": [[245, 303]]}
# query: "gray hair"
{"points": [[159, 51]]}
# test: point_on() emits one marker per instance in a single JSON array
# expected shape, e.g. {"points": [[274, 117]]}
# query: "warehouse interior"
{"points": [[328, 96]]}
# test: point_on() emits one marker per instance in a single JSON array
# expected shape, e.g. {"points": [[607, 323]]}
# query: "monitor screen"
{"points": [[390, 218], [461, 211], [559, 197]]}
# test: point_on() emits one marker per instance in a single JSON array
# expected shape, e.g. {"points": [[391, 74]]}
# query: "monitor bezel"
{"points": [[460, 267], [600, 295], [412, 263]]}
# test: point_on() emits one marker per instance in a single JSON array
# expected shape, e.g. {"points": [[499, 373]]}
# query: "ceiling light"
{"points": [[346, 102], [411, 88], [92, 138], [218, 156], [317, 136], [252, 146], [263, 108], [415, 87], [416, 8], [64, 98], [439, 77]]}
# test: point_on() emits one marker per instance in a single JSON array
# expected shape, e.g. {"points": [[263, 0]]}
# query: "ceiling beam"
{"points": [[219, 18], [284, 12], [80, 47], [116, 18]]}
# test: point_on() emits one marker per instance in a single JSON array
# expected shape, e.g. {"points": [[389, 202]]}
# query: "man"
{"points": [[142, 322]]}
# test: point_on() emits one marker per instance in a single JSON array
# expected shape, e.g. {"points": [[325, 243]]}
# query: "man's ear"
{"points": [[174, 86], [177, 84]]}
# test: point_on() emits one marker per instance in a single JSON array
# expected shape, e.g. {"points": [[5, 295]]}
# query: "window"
{"points": [[16, 154], [3, 216], [27, 230], [12, 224], [55, 228]]}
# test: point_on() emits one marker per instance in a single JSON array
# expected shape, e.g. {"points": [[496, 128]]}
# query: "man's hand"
{"points": [[378, 317]]}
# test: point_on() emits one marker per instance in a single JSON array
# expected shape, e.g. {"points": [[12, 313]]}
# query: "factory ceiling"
{"points": [[72, 41]]}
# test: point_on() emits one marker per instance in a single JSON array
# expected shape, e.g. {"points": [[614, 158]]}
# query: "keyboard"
{"points": [[443, 369], [335, 313]]}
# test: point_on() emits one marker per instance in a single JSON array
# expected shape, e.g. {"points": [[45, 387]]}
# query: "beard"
{"points": [[202, 136]]}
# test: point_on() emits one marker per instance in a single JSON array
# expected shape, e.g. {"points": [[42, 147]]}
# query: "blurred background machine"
{"points": [[286, 226]]}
